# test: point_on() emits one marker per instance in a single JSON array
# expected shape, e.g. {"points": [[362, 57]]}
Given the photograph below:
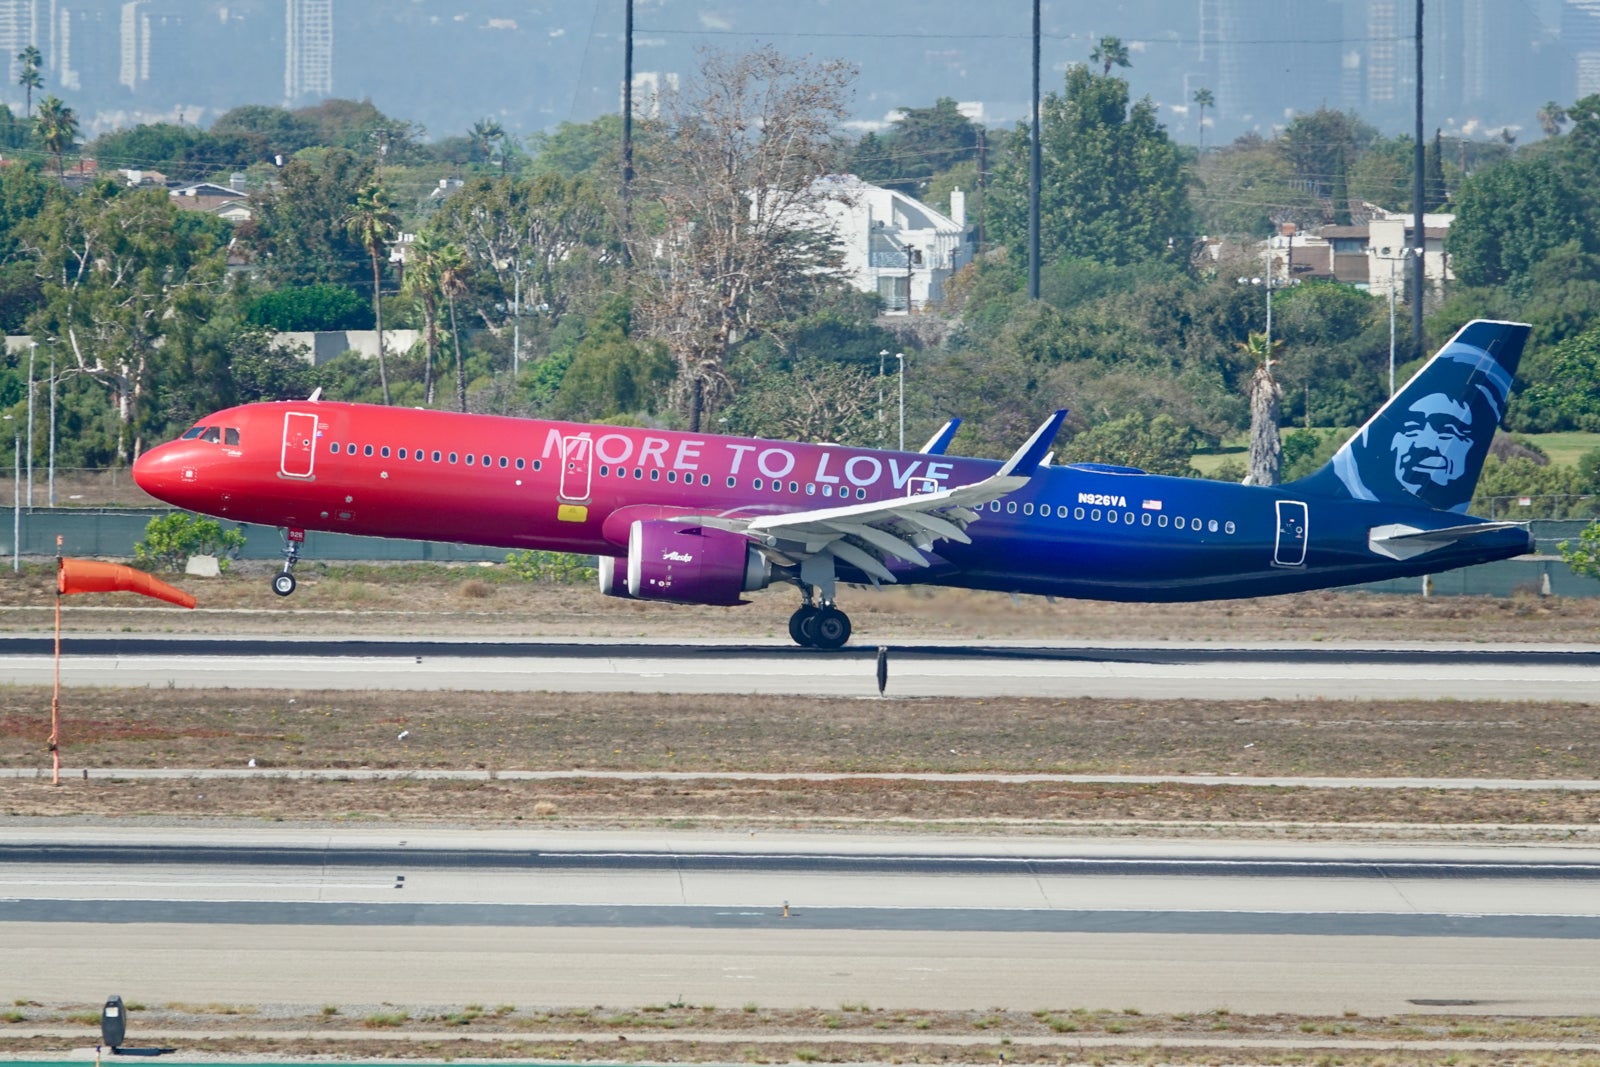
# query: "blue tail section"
{"points": [[1427, 444]]}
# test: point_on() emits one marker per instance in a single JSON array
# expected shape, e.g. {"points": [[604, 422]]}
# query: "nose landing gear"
{"points": [[283, 582]]}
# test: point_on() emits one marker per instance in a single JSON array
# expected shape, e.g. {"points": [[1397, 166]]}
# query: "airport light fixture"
{"points": [[901, 356]]}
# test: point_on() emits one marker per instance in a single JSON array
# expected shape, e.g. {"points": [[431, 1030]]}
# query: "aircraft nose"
{"points": [[167, 473]]}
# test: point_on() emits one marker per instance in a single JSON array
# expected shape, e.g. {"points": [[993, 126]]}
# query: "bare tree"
{"points": [[739, 242]]}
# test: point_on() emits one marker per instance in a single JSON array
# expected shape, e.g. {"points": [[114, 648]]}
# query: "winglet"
{"points": [[941, 440], [1031, 454]]}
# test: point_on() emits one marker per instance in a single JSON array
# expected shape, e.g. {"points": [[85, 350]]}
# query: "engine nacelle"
{"points": [[614, 576], [692, 564]]}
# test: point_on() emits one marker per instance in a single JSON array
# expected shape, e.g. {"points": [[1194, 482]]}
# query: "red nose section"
{"points": [[170, 473]]}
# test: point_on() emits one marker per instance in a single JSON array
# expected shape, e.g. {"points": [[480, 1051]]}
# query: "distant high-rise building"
{"points": [[308, 51], [134, 69], [1266, 59], [1580, 33], [1383, 54], [18, 30]]}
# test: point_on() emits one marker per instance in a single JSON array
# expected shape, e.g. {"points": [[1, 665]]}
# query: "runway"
{"points": [[1167, 670], [296, 917]]}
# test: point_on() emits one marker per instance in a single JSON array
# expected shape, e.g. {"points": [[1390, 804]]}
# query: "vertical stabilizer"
{"points": [[1427, 444]]}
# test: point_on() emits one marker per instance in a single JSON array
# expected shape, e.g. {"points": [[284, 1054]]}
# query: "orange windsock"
{"points": [[86, 576]]}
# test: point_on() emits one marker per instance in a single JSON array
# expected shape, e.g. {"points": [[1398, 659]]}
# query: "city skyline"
{"points": [[1489, 64]]}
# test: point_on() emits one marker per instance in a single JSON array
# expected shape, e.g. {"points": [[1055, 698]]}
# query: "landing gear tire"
{"points": [[832, 628], [283, 583], [803, 626]]}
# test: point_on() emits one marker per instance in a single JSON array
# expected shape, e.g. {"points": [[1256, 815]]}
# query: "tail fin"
{"points": [[1427, 444]]}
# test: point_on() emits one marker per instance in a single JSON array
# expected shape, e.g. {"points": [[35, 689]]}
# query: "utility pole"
{"points": [[1033, 171], [1418, 273], [627, 134]]}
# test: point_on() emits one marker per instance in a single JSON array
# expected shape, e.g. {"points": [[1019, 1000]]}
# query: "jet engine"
{"points": [[692, 564], [614, 576]]}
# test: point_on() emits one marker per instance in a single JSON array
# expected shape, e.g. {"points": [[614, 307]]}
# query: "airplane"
{"points": [[705, 518]]}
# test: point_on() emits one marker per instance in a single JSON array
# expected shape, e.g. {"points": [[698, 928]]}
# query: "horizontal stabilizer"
{"points": [[1398, 541]]}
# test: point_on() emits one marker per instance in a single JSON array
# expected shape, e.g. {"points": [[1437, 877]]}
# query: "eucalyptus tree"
{"points": [[732, 241]]}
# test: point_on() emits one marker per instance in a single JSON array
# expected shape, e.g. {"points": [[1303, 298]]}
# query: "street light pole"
{"points": [[901, 357], [883, 354], [33, 349], [1391, 326], [16, 501], [52, 427]]}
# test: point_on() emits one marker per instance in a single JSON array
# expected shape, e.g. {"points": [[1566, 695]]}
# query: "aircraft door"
{"points": [[299, 445], [576, 453], [1289, 550]]}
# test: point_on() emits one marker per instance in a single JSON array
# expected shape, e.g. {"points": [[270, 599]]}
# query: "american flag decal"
{"points": [[1152, 505]]}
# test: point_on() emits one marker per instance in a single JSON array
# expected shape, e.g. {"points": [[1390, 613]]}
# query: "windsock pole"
{"points": [[55, 695]]}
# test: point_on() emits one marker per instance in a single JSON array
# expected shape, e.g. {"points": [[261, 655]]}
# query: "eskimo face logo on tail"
{"points": [[1429, 442]]}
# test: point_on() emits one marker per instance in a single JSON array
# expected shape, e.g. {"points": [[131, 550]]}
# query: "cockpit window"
{"points": [[230, 436], [192, 432], [213, 435]]}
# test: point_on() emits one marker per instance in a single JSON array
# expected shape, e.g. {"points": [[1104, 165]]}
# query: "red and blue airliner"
{"points": [[703, 518]]}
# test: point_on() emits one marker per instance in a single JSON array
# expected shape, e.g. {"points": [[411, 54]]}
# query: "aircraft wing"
{"points": [[868, 536], [1398, 541]]}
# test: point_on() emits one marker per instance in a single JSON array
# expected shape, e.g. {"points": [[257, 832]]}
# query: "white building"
{"points": [[894, 245], [308, 52]]}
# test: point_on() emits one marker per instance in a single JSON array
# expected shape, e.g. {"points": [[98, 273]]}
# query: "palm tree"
{"points": [[1266, 452], [1551, 118], [485, 135], [1202, 100], [29, 78], [422, 284], [57, 129], [1110, 52], [372, 223], [453, 283]]}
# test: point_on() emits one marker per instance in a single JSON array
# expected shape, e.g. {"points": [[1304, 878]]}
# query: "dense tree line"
{"points": [[711, 297]]}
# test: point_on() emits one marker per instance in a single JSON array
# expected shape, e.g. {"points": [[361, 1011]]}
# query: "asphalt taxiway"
{"points": [[257, 916]]}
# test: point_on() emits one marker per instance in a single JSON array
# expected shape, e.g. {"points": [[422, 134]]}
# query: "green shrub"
{"points": [[169, 541], [550, 568]]}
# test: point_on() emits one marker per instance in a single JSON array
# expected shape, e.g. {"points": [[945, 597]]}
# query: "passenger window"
{"points": [[1212, 526], [488, 461], [419, 456], [367, 450], [334, 447], [756, 483], [1011, 507], [1111, 516], [1228, 528], [521, 463], [470, 458], [1145, 518], [705, 479], [536, 464], [811, 489], [385, 451], [1077, 513], [1162, 522], [1178, 522], [604, 471], [1061, 512], [655, 474], [504, 462], [1095, 515], [731, 482], [1194, 524], [794, 487], [402, 453], [1127, 517], [861, 494], [994, 505], [192, 432], [452, 457], [1027, 509], [672, 477], [436, 455], [638, 474], [230, 436], [827, 490]]}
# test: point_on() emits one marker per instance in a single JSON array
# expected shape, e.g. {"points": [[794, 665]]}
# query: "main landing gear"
{"points": [[819, 627], [283, 581]]}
